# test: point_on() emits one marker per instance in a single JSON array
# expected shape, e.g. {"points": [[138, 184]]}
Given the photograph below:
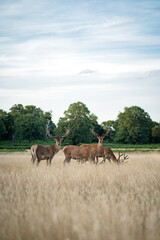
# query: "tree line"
{"points": [[133, 125]]}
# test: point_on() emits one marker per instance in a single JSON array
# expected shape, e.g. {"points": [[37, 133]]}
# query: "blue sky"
{"points": [[103, 53]]}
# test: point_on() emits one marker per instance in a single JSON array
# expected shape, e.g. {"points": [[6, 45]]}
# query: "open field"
{"points": [[80, 201]]}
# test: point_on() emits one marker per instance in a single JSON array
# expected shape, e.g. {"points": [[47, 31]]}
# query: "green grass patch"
{"points": [[7, 146], [135, 150], [13, 150], [135, 146]]}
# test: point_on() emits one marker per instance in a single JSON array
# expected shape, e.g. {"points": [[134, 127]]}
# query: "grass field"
{"points": [[80, 201]]}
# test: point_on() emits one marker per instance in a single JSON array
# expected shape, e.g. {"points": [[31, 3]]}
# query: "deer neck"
{"points": [[99, 144], [113, 157], [56, 147]]}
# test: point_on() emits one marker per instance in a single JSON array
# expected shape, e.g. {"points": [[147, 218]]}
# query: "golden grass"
{"points": [[79, 201]]}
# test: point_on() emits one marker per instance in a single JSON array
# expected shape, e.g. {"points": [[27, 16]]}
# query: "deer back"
{"points": [[76, 152], [93, 148]]}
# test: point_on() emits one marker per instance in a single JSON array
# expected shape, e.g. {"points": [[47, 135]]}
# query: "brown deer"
{"points": [[78, 153], [94, 148], [47, 152], [107, 153]]}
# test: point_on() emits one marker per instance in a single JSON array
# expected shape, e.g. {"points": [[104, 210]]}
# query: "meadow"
{"points": [[79, 201]]}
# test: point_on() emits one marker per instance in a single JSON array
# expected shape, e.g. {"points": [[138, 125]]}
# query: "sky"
{"points": [[103, 53]]}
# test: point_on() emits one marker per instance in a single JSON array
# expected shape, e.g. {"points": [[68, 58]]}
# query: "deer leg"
{"points": [[103, 161], [50, 160], [91, 160], [34, 158], [79, 161], [67, 159], [106, 157], [38, 161], [95, 161]]}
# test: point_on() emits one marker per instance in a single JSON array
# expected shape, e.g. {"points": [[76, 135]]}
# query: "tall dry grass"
{"points": [[79, 201]]}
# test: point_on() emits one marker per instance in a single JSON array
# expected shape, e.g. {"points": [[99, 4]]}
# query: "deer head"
{"points": [[58, 140], [100, 138]]}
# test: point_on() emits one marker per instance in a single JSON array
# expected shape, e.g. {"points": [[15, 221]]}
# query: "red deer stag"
{"points": [[94, 148], [78, 153], [107, 153], [47, 152]]}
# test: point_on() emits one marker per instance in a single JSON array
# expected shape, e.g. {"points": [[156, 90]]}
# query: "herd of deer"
{"points": [[83, 153]]}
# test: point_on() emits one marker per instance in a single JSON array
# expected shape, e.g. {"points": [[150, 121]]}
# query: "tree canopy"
{"points": [[24, 122], [79, 119], [156, 133], [134, 126]]}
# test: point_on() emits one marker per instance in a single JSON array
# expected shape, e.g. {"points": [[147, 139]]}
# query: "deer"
{"points": [[107, 153], [78, 153], [47, 152], [94, 148]]}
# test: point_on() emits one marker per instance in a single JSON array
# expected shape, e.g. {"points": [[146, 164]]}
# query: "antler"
{"points": [[93, 132], [67, 132], [48, 129], [48, 133], [96, 135], [125, 157], [108, 130]]}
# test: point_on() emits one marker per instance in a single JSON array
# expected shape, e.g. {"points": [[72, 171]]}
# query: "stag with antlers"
{"points": [[47, 152], [107, 153], [95, 148]]}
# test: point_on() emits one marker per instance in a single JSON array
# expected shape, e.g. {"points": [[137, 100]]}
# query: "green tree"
{"points": [[156, 133], [3, 124], [30, 122], [113, 126], [2, 129], [6, 125], [9, 126], [134, 126], [78, 119], [16, 110], [27, 127]]}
